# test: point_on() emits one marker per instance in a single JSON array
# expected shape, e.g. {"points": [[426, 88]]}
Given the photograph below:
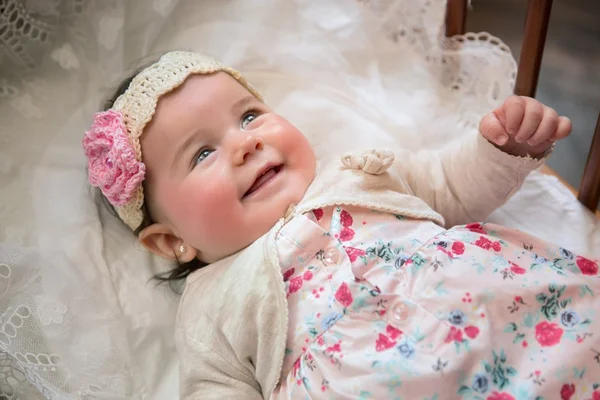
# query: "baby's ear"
{"points": [[160, 240]]}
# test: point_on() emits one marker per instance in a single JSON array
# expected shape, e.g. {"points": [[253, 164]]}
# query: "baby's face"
{"points": [[222, 167]]}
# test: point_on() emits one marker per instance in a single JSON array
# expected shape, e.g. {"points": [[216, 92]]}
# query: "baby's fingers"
{"points": [[514, 109], [491, 129], [563, 130], [534, 113], [547, 127]]}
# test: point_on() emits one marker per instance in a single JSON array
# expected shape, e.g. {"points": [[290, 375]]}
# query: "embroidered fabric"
{"points": [[80, 317], [48, 348], [477, 69], [27, 29]]}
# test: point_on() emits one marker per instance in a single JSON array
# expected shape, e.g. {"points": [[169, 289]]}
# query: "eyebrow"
{"points": [[182, 147], [191, 138], [242, 103]]}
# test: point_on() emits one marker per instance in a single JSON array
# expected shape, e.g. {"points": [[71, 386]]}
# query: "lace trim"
{"points": [[271, 254], [21, 33], [433, 216]]}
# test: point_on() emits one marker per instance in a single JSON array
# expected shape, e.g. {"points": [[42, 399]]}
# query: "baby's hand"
{"points": [[524, 126]]}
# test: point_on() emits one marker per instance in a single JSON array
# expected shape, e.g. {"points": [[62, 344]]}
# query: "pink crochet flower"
{"points": [[112, 165]]}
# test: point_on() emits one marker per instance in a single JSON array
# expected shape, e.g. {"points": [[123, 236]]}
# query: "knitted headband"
{"points": [[112, 145]]}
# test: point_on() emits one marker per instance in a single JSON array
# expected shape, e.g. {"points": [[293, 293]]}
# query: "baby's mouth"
{"points": [[263, 178]]}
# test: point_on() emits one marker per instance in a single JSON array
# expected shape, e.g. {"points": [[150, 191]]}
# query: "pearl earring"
{"points": [[182, 249]]}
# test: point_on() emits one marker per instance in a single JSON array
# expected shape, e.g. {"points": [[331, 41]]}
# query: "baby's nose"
{"points": [[248, 146]]}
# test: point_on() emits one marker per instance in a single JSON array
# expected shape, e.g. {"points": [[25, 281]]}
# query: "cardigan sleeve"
{"points": [[231, 327], [465, 182], [204, 374]]}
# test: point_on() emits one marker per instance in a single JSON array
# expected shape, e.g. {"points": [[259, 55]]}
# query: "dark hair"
{"points": [[182, 270]]}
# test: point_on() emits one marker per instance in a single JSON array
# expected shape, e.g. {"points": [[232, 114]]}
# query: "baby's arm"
{"points": [[466, 182], [204, 374]]}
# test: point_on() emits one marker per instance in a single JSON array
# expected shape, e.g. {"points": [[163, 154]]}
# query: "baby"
{"points": [[339, 280]]}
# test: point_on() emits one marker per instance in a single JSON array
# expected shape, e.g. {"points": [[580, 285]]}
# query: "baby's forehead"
{"points": [[198, 94], [198, 102]]}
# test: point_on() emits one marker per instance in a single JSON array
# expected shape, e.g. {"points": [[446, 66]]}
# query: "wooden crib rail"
{"points": [[589, 190], [456, 17], [537, 19]]}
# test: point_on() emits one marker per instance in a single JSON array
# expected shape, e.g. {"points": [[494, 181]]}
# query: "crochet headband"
{"points": [[112, 145]]}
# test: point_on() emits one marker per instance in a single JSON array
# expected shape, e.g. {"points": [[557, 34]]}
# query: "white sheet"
{"points": [[347, 78]]}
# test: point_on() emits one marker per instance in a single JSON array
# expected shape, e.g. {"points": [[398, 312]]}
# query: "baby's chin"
{"points": [[212, 258], [261, 217]]}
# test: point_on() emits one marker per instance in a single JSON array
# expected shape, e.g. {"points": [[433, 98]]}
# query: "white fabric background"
{"points": [[80, 317]]}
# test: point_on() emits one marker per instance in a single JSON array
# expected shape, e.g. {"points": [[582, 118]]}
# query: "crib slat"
{"points": [[589, 191], [456, 17], [532, 49]]}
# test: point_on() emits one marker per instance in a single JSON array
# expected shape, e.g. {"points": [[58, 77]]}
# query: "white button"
{"points": [[400, 312], [331, 256]]}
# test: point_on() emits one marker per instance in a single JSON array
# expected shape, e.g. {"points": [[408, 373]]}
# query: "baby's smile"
{"points": [[265, 182]]}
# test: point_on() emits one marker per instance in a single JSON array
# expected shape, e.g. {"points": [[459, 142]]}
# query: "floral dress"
{"points": [[385, 307]]}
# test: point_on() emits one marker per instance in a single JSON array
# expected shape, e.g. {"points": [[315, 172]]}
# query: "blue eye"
{"points": [[247, 118], [202, 155]]}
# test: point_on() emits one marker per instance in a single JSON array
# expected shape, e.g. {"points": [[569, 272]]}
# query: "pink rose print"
{"points": [[392, 332], [472, 332], [500, 396], [318, 213], [596, 395], [517, 269], [567, 391], [548, 334], [354, 253], [112, 163], [343, 295], [587, 267], [346, 219], [477, 228], [384, 343], [487, 244], [458, 248], [307, 276], [455, 335], [346, 234], [295, 285], [336, 348], [287, 274]]}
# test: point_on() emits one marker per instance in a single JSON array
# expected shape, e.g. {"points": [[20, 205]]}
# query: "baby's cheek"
{"points": [[295, 145], [205, 210]]}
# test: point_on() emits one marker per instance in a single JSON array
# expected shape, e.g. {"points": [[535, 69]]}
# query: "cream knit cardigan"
{"points": [[232, 319]]}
